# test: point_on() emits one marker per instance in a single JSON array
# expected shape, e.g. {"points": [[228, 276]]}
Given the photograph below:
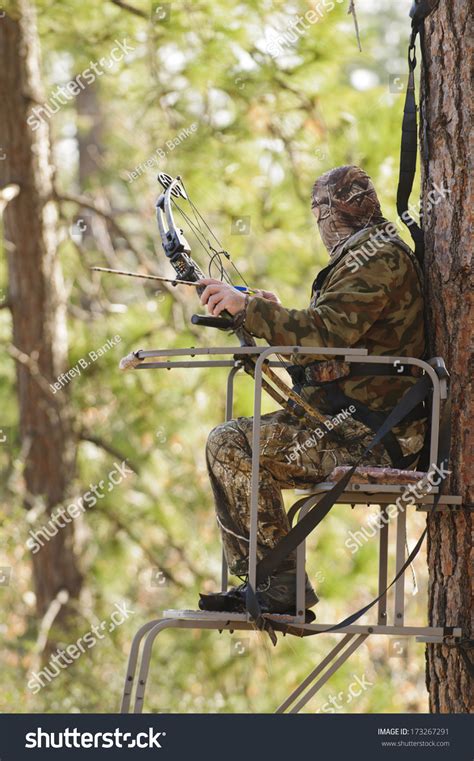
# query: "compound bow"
{"points": [[178, 251]]}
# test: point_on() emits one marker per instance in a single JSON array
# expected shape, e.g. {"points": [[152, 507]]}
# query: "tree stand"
{"points": [[372, 485]]}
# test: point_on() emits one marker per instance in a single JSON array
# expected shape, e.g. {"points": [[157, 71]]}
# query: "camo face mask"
{"points": [[346, 202]]}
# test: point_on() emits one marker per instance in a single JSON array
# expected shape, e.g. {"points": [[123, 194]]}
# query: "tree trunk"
{"points": [[447, 95], [37, 302]]}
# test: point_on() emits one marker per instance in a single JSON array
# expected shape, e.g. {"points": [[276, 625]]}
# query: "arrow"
{"points": [[174, 281]]}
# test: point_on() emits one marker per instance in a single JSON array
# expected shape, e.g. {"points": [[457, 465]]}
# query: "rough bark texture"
{"points": [[446, 126], [37, 301]]}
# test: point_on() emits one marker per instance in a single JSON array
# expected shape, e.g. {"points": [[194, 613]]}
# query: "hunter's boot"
{"points": [[277, 595]]}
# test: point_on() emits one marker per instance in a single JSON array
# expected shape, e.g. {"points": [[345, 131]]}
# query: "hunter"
{"points": [[369, 295]]}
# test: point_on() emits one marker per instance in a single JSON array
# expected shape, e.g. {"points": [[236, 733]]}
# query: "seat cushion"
{"points": [[374, 475]]}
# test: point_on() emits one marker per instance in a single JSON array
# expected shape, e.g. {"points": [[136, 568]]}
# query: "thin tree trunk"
{"points": [[90, 135], [446, 122], [37, 299]]}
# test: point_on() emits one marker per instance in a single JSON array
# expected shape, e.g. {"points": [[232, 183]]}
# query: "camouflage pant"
{"points": [[292, 456]]}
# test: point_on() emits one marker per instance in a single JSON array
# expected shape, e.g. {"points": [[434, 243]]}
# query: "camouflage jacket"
{"points": [[369, 296]]}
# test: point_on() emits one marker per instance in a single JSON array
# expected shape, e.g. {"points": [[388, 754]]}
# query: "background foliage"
{"points": [[266, 126]]}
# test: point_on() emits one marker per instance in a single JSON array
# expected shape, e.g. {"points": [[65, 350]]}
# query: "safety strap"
{"points": [[409, 147], [380, 368], [308, 523], [338, 399], [372, 420]]}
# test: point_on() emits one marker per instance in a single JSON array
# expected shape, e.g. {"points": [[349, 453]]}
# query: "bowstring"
{"points": [[206, 245], [216, 253], [202, 240]]}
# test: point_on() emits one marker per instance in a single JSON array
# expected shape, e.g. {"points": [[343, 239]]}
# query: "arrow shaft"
{"points": [[174, 281], [146, 277]]}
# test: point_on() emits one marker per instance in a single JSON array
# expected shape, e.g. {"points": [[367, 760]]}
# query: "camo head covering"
{"points": [[347, 203]]}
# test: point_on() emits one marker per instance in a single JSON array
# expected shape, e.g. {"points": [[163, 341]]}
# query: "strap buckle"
{"points": [[420, 9], [412, 53]]}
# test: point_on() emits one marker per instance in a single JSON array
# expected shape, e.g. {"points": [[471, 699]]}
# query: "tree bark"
{"points": [[37, 302], [446, 119]]}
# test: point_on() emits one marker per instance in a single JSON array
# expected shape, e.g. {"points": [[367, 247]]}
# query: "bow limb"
{"points": [[309, 412], [283, 392]]}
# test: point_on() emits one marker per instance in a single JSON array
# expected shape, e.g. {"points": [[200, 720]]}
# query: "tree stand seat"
{"points": [[372, 475], [382, 484]]}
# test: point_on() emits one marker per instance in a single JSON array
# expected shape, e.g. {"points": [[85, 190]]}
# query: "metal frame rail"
{"points": [[353, 636]]}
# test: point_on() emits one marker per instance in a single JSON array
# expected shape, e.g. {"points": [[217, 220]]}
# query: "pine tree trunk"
{"points": [[37, 302], [446, 120]]}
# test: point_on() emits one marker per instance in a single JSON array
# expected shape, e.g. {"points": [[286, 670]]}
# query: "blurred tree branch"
{"points": [[130, 9], [352, 12], [87, 204], [147, 551], [109, 448]]}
